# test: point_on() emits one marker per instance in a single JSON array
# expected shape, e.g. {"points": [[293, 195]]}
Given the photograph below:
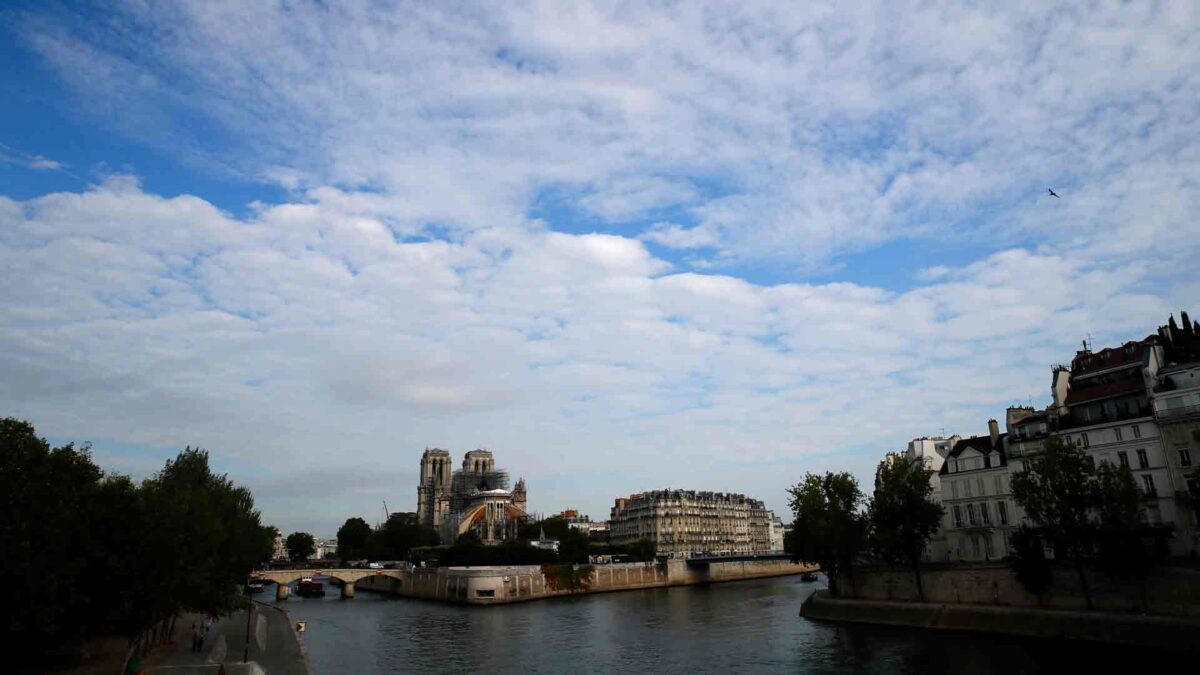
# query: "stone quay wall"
{"points": [[1166, 591], [503, 585], [1173, 633]]}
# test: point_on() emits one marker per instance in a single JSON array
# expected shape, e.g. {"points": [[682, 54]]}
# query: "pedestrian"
{"points": [[195, 638], [200, 640], [208, 623]]}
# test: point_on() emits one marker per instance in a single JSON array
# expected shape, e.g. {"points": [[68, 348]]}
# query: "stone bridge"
{"points": [[348, 577]]}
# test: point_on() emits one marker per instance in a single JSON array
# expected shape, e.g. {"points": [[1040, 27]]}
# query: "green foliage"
{"points": [[829, 528], [642, 550], [574, 546], [468, 552], [555, 527], [352, 539], [99, 553], [1057, 490], [1083, 510], [301, 546], [401, 532], [902, 515], [1028, 559]]}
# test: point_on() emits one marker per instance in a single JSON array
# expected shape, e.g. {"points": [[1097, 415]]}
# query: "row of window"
{"points": [[979, 514], [997, 484], [1085, 442]]}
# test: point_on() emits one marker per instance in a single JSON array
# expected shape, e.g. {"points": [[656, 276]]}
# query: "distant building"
{"points": [[280, 551], [777, 532], [543, 543], [688, 522], [474, 498], [325, 549]]}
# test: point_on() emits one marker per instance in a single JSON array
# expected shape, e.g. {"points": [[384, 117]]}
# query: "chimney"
{"points": [[994, 432]]}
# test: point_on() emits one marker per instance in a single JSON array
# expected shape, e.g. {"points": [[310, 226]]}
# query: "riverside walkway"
{"points": [[274, 647]]}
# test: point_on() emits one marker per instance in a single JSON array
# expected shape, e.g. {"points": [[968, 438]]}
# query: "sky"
{"points": [[625, 246]]}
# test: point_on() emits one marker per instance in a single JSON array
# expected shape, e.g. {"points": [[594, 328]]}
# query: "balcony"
{"points": [[1177, 414]]}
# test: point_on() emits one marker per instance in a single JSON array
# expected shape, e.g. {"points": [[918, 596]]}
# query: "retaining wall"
{"points": [[1122, 628], [1167, 591], [502, 585]]}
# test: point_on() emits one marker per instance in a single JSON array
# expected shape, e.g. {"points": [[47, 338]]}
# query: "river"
{"points": [[741, 627]]}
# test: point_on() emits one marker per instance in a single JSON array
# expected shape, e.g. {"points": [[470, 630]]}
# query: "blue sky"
{"points": [[625, 247]]}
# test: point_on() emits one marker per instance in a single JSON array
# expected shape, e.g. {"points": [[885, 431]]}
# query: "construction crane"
{"points": [[386, 515]]}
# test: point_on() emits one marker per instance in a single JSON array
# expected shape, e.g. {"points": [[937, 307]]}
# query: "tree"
{"points": [[902, 515], [574, 547], [109, 554], [1057, 490], [301, 546], [829, 528], [643, 550], [353, 538], [401, 532], [1028, 560], [1120, 542]]}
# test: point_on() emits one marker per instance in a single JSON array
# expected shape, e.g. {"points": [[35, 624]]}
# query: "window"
{"points": [[1137, 431], [1123, 457], [1002, 512], [971, 514], [975, 543], [967, 487], [958, 522], [1117, 431], [954, 490], [1185, 457], [998, 480], [987, 544], [485, 594], [979, 484], [984, 515], [1085, 440], [1148, 483], [1143, 462]]}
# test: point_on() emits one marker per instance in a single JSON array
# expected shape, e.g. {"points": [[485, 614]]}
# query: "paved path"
{"points": [[274, 649]]}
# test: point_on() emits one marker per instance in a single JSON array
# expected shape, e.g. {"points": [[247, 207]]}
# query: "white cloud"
{"points": [[673, 235], [304, 336]]}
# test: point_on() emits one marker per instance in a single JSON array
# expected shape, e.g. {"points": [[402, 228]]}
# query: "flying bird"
{"points": [[1053, 193]]}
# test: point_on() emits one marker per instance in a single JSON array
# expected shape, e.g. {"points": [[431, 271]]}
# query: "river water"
{"points": [[740, 627]]}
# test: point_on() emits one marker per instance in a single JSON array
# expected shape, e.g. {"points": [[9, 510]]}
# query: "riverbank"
{"points": [[273, 646], [1167, 632], [523, 583]]}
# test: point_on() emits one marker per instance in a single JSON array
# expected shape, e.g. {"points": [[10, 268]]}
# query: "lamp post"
{"points": [[249, 613]]}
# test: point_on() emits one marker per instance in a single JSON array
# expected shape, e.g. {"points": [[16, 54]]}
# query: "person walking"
{"points": [[195, 638], [199, 640]]}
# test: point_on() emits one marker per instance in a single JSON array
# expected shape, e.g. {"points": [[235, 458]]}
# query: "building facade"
{"points": [[688, 522], [931, 452], [778, 532], [979, 515], [474, 498], [1176, 403], [1108, 413]]}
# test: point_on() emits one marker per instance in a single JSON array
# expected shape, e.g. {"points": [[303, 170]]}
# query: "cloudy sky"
{"points": [[625, 246]]}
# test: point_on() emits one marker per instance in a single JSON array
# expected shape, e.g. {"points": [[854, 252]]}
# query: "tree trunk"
{"points": [[916, 563], [1083, 584]]}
